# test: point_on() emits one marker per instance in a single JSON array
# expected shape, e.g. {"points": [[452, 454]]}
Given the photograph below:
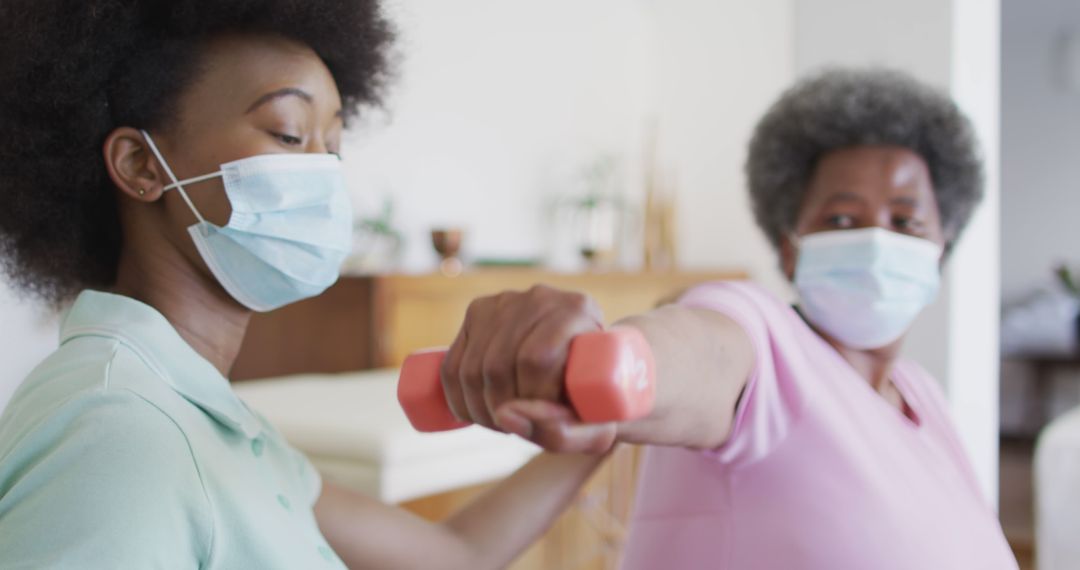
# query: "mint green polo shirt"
{"points": [[126, 449]]}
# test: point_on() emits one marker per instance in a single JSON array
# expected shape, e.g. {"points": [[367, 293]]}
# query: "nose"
{"points": [[883, 218]]}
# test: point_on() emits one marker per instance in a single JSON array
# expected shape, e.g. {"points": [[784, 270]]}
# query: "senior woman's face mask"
{"points": [[289, 232], [865, 287]]}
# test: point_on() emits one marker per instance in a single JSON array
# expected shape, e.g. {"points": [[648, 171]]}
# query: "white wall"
{"points": [[722, 65], [914, 36], [974, 287], [953, 45], [27, 333], [498, 103], [496, 107], [1040, 123]]}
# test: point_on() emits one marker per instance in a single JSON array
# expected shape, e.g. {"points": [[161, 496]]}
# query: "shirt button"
{"points": [[257, 446], [326, 552], [283, 501]]}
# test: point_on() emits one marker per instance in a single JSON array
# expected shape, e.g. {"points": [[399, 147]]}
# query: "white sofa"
{"points": [[353, 430], [1057, 494]]}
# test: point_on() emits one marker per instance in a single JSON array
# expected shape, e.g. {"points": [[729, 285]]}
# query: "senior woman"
{"points": [[172, 166], [786, 437]]}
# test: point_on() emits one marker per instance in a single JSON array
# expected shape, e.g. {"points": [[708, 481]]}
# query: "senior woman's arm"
{"points": [[703, 360], [488, 533], [511, 354]]}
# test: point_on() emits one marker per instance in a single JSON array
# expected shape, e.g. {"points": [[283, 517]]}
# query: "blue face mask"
{"points": [[865, 287], [289, 232]]}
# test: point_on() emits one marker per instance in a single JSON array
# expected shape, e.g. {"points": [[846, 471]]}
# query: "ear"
{"points": [[789, 254], [132, 166]]}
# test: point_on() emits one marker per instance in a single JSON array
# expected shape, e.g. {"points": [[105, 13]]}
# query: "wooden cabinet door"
{"points": [[416, 312], [334, 332]]}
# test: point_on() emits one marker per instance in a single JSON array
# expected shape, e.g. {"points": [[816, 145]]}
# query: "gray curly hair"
{"points": [[848, 107]]}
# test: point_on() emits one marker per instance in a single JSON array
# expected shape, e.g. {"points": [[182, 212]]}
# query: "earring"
{"points": [[142, 191]]}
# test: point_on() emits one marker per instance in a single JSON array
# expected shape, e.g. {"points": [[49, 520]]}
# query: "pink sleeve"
{"points": [[771, 399]]}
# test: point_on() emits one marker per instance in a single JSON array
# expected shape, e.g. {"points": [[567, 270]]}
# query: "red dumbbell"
{"points": [[610, 376]]}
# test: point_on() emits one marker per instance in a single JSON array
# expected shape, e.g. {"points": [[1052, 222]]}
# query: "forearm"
{"points": [[703, 360], [507, 519], [488, 533]]}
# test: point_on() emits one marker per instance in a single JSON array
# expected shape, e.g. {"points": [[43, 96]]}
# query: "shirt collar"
{"points": [[150, 335]]}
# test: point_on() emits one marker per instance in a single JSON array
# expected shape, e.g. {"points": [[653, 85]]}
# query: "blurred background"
{"points": [[598, 144]]}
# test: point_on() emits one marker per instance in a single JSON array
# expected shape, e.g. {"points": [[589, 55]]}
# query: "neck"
{"points": [[874, 365], [206, 317]]}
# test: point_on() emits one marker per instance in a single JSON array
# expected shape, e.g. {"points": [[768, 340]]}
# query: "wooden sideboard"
{"points": [[375, 321]]}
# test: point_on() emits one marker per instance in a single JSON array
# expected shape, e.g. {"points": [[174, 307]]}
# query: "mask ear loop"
{"points": [[176, 183]]}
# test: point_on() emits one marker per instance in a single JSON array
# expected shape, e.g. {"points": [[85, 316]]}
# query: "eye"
{"points": [[840, 221], [907, 224], [287, 139]]}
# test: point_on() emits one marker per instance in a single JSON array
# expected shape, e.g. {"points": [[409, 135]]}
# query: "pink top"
{"points": [[820, 472]]}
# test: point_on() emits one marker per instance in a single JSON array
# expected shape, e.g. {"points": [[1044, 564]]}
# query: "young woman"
{"points": [[171, 166]]}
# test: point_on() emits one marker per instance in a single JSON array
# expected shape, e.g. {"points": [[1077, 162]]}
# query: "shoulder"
{"points": [[103, 467], [713, 292], [773, 396], [110, 431], [761, 314], [82, 377], [85, 422], [95, 401], [742, 298]]}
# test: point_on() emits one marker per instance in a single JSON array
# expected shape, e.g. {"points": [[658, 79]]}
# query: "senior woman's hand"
{"points": [[505, 370]]}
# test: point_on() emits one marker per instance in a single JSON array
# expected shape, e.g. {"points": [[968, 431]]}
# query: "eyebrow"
{"points": [[844, 197], [284, 92], [288, 92]]}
